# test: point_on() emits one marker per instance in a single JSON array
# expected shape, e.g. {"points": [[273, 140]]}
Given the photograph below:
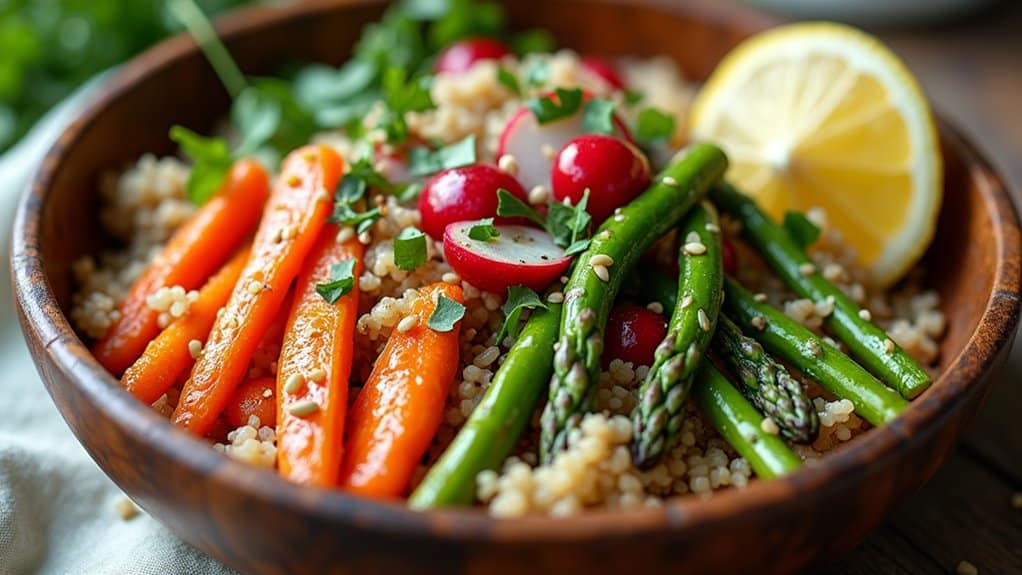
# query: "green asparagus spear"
{"points": [[657, 417], [793, 343], [737, 421], [867, 342], [594, 282], [766, 383], [490, 433]]}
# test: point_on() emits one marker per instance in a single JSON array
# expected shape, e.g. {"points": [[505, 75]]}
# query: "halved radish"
{"points": [[519, 255], [604, 69], [535, 145], [464, 193]]}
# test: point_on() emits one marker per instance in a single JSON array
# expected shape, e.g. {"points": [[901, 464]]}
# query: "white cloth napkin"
{"points": [[57, 509]]}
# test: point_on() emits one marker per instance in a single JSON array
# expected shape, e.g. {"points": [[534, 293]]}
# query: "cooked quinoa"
{"points": [[143, 205]]}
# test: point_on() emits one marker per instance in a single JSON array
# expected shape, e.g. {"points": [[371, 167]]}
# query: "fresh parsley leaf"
{"points": [[342, 281], [408, 191], [598, 116], [410, 249], [211, 159], [447, 313], [568, 224], [509, 81], [633, 97], [804, 232], [423, 162], [577, 247], [538, 74], [519, 298], [463, 19], [346, 215], [508, 206], [483, 230], [256, 118], [546, 109], [654, 126], [401, 95], [534, 41]]}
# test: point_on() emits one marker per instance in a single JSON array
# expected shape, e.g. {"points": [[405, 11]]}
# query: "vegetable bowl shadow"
{"points": [[257, 523]]}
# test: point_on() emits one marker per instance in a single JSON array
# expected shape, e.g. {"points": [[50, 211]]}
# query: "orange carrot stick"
{"points": [[317, 352], [253, 397], [295, 214], [395, 416], [195, 251], [170, 354]]}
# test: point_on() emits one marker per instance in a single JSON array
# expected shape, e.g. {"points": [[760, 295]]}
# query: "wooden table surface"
{"points": [[972, 70]]}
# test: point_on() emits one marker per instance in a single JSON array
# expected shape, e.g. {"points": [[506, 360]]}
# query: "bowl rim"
{"points": [[42, 319]]}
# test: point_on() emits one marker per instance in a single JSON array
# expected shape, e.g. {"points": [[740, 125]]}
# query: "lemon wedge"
{"points": [[823, 115]]}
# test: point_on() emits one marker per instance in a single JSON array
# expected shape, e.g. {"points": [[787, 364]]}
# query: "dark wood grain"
{"points": [[258, 523]]}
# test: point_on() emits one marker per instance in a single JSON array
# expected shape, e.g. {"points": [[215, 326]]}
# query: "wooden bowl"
{"points": [[254, 521]]}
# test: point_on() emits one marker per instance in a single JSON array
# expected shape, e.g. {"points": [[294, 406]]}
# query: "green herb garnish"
{"points": [[509, 81], [598, 116], [410, 249], [804, 232], [508, 206], [423, 162], [447, 313], [564, 104], [211, 158], [342, 281], [519, 298], [654, 126], [483, 230]]}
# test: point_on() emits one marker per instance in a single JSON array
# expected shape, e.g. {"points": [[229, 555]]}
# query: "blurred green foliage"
{"points": [[50, 47]]}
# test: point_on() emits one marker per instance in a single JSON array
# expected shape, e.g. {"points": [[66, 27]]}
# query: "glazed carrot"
{"points": [[295, 214], [253, 397], [195, 251], [170, 354], [395, 416], [315, 362]]}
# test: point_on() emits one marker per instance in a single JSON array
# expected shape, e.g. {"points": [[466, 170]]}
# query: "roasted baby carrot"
{"points": [[294, 215], [253, 397], [315, 362], [195, 251], [395, 416], [173, 350]]}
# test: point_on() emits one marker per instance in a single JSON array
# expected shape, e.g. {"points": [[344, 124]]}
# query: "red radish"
{"points": [[461, 56], [605, 70], [633, 334], [535, 145], [519, 255], [465, 193], [613, 171], [729, 254]]}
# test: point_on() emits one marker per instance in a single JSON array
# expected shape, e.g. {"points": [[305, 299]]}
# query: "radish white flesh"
{"points": [[519, 255], [535, 145]]}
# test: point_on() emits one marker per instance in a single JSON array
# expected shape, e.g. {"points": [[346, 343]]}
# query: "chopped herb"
{"points": [[804, 232], [211, 158], [352, 189], [538, 74], [401, 95], [508, 206], [408, 191], [342, 281], [462, 19], [533, 41], [598, 116], [256, 118], [633, 97], [569, 224], [519, 298], [410, 249], [483, 230], [423, 162], [546, 109], [577, 247], [447, 313], [654, 126], [509, 81]]}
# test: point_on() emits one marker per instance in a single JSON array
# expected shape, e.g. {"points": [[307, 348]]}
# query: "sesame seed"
{"points": [[345, 234], [126, 509], [407, 323], [712, 228], [617, 211], [548, 151], [865, 315], [303, 408], [286, 233], [555, 297], [293, 382], [620, 218], [695, 249], [451, 278], [669, 181], [601, 260], [509, 164], [760, 297], [655, 307], [309, 157], [255, 287], [267, 393], [704, 320], [365, 238], [687, 301], [888, 345], [807, 269], [605, 235], [601, 272], [294, 181], [195, 348], [539, 194], [317, 375], [322, 196], [966, 568], [564, 279], [769, 426], [758, 322]]}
